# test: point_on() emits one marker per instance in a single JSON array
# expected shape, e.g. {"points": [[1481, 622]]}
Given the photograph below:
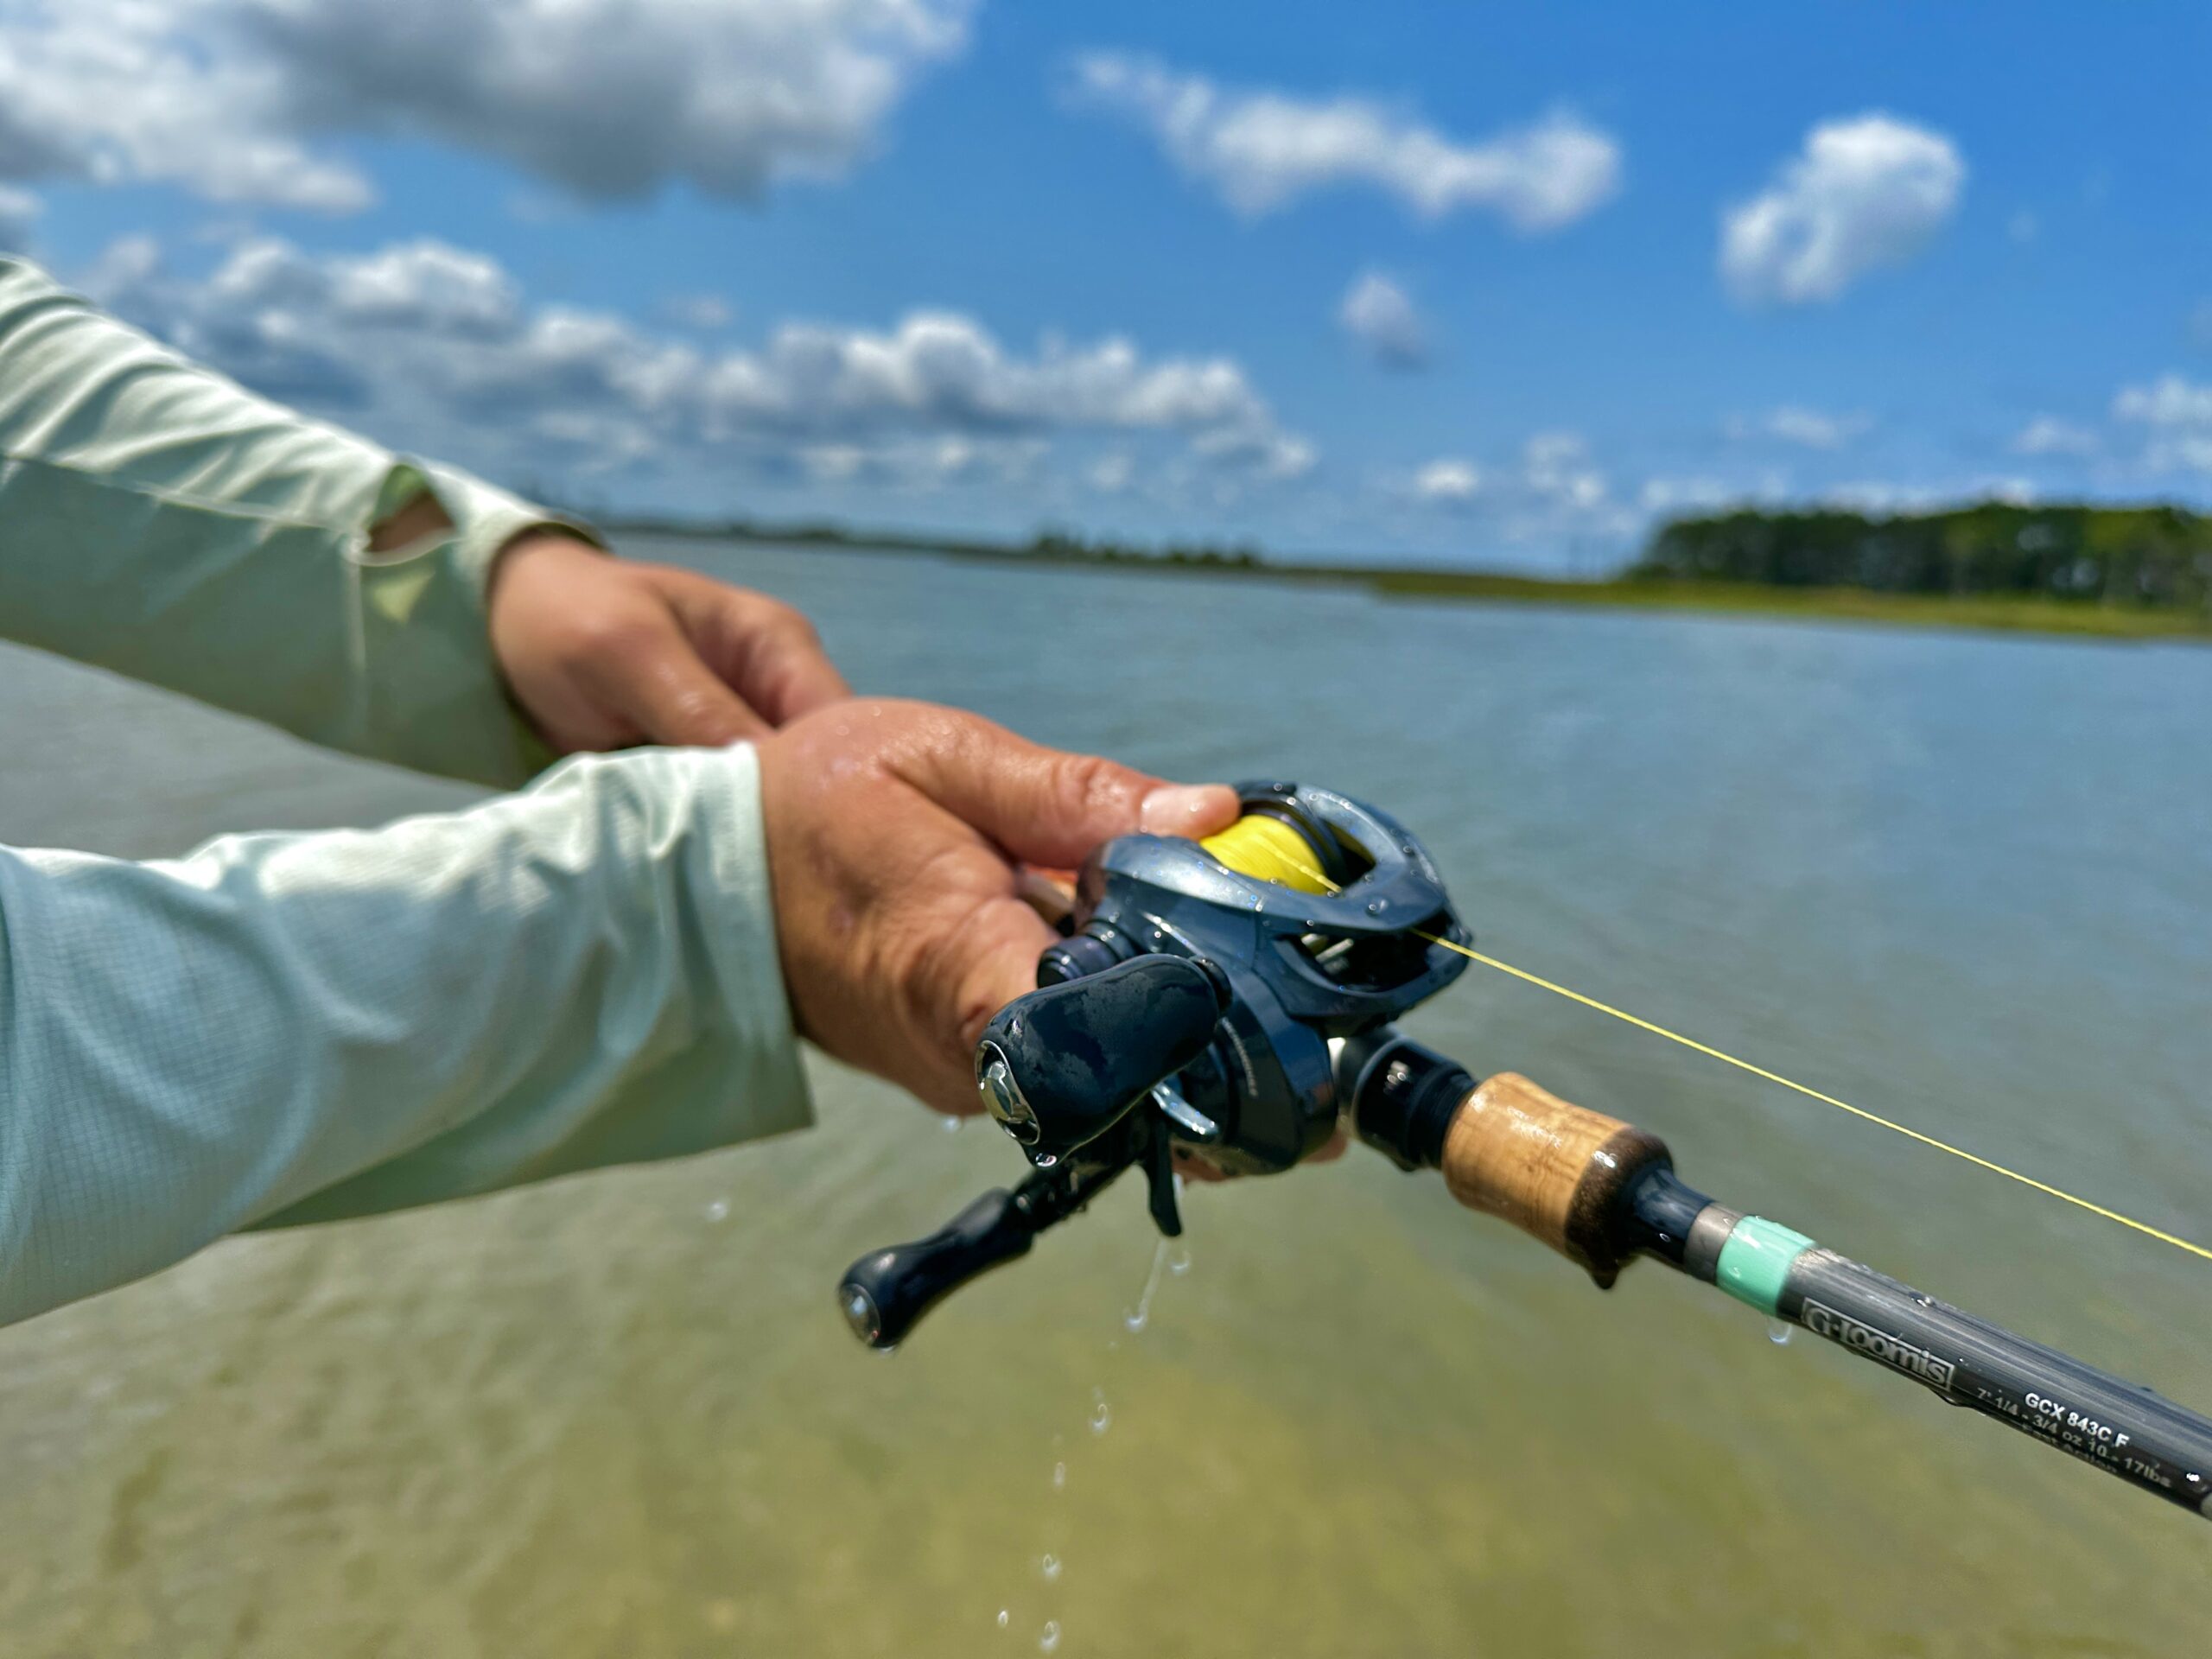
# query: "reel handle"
{"points": [[1061, 1068], [1064, 1064], [885, 1292]]}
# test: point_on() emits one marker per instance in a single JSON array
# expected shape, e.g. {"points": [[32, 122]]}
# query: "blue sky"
{"points": [[1410, 281]]}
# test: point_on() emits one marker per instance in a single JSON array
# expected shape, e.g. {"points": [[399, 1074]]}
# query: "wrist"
{"points": [[544, 545]]}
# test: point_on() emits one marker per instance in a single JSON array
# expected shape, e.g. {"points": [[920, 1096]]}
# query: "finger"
{"points": [[1046, 806], [655, 680], [763, 649]]}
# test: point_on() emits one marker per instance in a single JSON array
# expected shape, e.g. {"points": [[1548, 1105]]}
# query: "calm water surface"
{"points": [[1967, 881]]}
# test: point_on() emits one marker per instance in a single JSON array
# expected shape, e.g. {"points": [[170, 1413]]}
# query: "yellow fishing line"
{"points": [[1829, 1100], [1707, 1049]]}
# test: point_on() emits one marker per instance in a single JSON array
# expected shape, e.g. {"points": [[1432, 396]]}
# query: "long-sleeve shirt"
{"points": [[281, 1028]]}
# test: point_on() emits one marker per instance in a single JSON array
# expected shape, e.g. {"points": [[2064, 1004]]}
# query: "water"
{"points": [[1136, 1318], [1966, 881]]}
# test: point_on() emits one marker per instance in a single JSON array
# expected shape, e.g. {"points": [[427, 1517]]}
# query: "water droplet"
{"points": [[718, 1211], [1006, 1617], [1178, 1260], [1050, 1567], [1376, 907], [1050, 1638], [1102, 1416], [1138, 1317], [1059, 1477], [1777, 1333], [952, 1124]]}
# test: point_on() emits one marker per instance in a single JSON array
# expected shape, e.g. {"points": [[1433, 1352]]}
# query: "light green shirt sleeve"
{"points": [[158, 520], [296, 1027]]}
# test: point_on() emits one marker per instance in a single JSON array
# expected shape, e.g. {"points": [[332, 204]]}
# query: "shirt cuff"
{"points": [[437, 700], [484, 516]]}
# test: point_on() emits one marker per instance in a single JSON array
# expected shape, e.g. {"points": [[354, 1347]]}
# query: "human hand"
{"points": [[895, 832], [603, 652]]}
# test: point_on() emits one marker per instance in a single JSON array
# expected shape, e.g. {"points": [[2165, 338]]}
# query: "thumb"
{"points": [[1046, 806], [659, 682]]}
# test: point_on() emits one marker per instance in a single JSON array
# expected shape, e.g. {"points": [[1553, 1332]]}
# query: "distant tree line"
{"points": [[1053, 546], [1061, 545], [2154, 555]]}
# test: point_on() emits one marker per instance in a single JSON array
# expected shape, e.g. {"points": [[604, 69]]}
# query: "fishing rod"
{"points": [[1233, 998]]}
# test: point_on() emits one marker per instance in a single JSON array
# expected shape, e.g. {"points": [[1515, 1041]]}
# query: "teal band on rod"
{"points": [[1755, 1262]]}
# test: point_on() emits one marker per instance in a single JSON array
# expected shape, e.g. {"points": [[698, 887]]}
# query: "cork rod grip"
{"points": [[1559, 1172]]}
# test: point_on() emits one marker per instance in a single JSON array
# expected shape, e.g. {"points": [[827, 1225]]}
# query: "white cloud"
{"points": [[1111, 474], [1448, 482], [436, 347], [1556, 466], [2047, 435], [1258, 449], [1380, 316], [940, 368], [423, 285], [2177, 414], [229, 98], [1263, 150], [921, 463], [1551, 494], [121, 90], [19, 211], [1866, 193], [1807, 428], [2170, 401]]}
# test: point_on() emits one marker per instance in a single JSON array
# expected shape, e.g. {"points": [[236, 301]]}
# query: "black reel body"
{"points": [[1303, 965], [1197, 1007]]}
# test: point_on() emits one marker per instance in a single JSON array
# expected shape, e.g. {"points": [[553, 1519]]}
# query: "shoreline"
{"points": [[1978, 613]]}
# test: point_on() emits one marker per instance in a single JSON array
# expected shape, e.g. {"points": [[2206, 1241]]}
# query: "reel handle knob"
{"points": [[885, 1291], [1062, 1065]]}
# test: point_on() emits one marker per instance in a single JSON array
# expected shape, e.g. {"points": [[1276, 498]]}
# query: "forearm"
{"points": [[288, 1028], [157, 520]]}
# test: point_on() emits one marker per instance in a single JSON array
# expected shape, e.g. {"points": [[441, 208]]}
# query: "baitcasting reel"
{"points": [[1218, 998]]}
